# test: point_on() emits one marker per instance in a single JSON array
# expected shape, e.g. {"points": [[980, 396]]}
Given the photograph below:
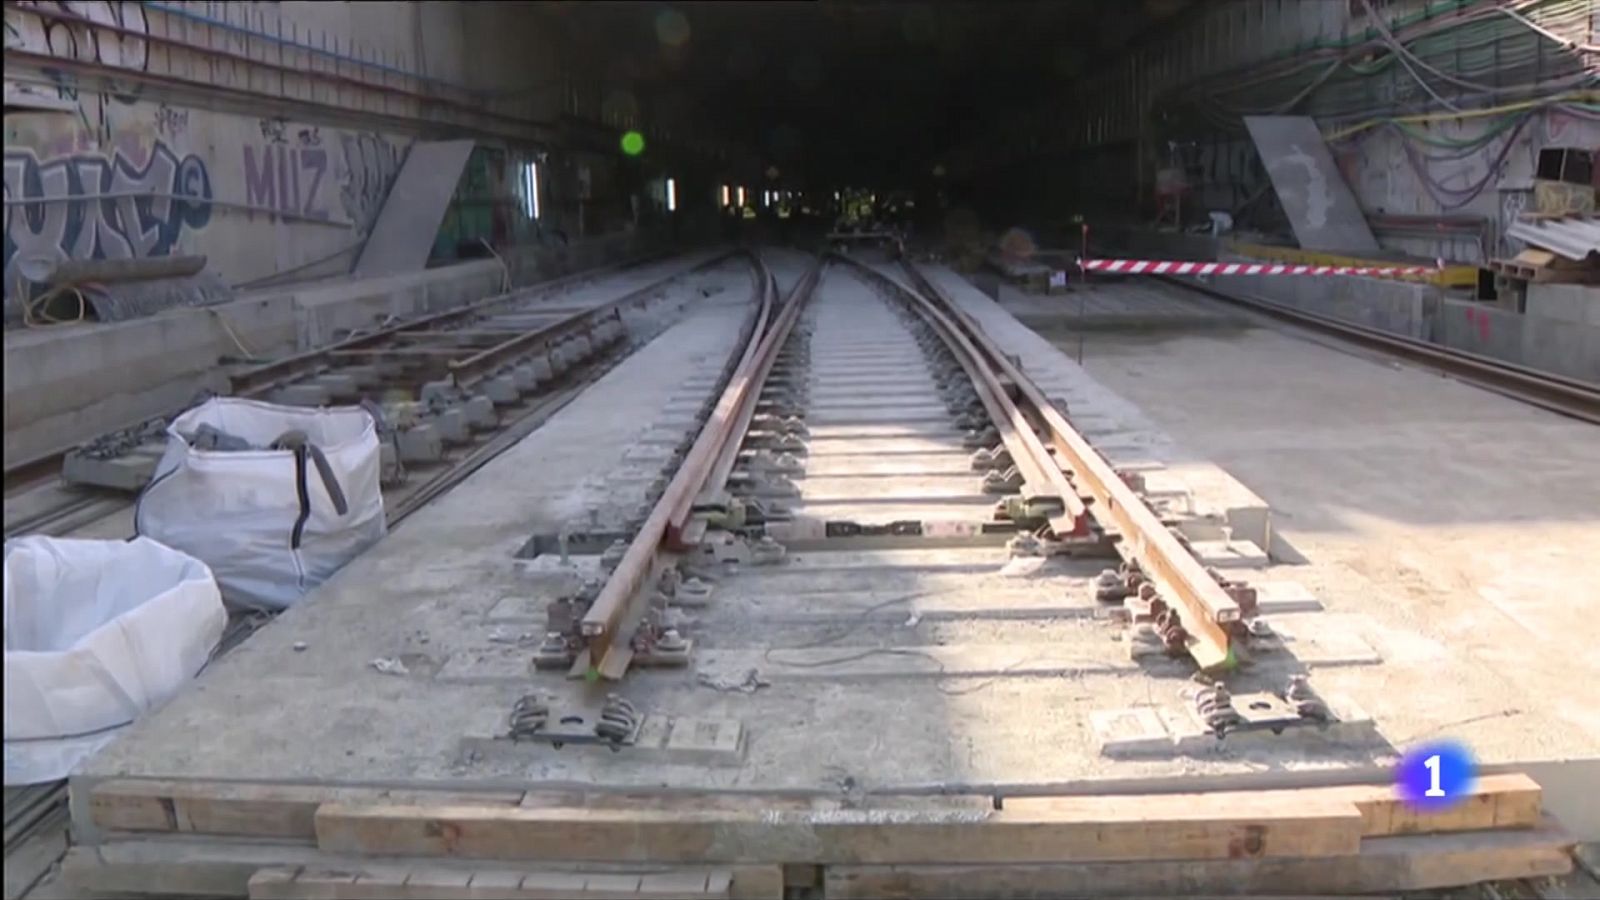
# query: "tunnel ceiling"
{"points": [[850, 92]]}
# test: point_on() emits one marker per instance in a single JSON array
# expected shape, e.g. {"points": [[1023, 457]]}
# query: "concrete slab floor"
{"points": [[1464, 524], [905, 669], [1114, 303]]}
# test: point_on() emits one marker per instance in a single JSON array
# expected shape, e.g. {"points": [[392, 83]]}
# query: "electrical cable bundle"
{"points": [[1437, 52]]}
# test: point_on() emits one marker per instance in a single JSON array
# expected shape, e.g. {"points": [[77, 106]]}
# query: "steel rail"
{"points": [[465, 372], [1206, 610], [1042, 476], [1557, 393], [602, 624], [679, 527]]}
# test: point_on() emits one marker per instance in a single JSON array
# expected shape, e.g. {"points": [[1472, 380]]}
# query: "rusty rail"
{"points": [[1206, 610], [602, 625], [678, 525]]}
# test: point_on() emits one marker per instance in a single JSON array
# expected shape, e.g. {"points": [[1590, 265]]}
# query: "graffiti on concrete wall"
{"points": [[94, 206], [133, 176], [110, 35], [170, 121], [287, 179], [292, 173], [370, 166]]}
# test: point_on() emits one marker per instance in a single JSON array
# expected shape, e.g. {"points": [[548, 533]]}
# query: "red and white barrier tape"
{"points": [[1174, 267]]}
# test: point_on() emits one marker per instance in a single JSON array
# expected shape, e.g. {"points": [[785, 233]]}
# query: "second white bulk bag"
{"points": [[97, 633]]}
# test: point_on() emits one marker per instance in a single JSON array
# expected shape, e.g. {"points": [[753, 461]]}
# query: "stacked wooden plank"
{"points": [[181, 838]]}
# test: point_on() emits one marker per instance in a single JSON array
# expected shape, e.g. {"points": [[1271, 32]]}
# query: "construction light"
{"points": [[530, 189]]}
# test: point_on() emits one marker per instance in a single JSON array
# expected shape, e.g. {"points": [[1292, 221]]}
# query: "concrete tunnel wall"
{"points": [[266, 136], [256, 191], [259, 195]]}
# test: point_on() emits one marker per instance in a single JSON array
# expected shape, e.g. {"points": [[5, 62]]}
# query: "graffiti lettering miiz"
{"points": [[274, 176]]}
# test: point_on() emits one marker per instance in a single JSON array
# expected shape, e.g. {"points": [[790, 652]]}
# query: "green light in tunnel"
{"points": [[633, 143]]}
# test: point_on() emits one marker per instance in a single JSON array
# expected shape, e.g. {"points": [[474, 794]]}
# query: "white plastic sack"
{"points": [[264, 520], [96, 633]]}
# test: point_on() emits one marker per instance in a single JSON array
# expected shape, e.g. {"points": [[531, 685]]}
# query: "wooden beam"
{"points": [[1383, 865], [249, 810], [1192, 826], [179, 866], [1495, 801], [408, 882], [287, 811]]}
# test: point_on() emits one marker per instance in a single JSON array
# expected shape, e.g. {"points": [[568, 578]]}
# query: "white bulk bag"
{"points": [[96, 633], [265, 520]]}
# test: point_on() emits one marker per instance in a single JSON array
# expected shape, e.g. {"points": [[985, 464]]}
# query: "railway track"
{"points": [[900, 589], [1002, 460], [454, 386], [895, 596]]}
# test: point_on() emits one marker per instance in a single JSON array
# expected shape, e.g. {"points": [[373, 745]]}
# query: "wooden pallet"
{"points": [[1543, 267], [291, 841]]}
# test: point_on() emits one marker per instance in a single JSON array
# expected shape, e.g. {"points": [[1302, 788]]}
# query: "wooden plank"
{"points": [[1495, 801], [124, 807], [1192, 826], [251, 810], [86, 869], [425, 883], [288, 811], [185, 866], [1384, 865]]}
